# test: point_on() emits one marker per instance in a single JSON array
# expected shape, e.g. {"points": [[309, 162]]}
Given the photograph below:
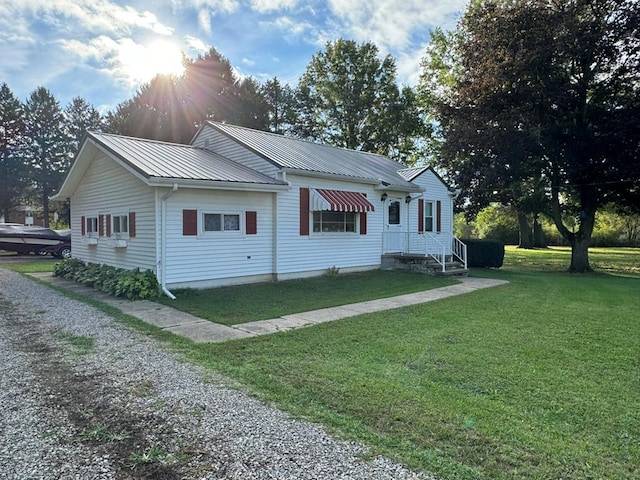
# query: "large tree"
{"points": [[349, 97], [543, 96], [171, 108], [12, 170], [47, 144], [281, 106], [81, 117]]}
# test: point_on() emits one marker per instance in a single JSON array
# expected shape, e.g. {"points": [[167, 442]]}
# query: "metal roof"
{"points": [[411, 173], [162, 160], [296, 154]]}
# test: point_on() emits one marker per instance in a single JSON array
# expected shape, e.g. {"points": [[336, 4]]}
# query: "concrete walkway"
{"points": [[200, 330]]}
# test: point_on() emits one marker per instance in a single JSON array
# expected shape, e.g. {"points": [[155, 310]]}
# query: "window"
{"points": [[120, 224], [334, 222], [92, 226], [428, 216], [221, 222], [394, 212]]}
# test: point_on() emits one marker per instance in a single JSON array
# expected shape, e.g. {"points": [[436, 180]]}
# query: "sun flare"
{"points": [[159, 57]]}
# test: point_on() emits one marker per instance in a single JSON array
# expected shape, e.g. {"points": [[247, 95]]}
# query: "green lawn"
{"points": [[246, 303], [32, 265], [535, 379]]}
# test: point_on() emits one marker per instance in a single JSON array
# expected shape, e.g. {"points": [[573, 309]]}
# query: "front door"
{"points": [[393, 229]]}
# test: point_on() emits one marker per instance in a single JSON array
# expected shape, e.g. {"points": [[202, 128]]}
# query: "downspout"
{"points": [[163, 242]]}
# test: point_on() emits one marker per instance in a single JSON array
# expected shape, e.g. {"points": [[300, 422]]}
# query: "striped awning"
{"points": [[341, 201]]}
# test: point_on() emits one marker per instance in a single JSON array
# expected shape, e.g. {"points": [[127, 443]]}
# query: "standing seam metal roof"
{"points": [[298, 154], [154, 159]]}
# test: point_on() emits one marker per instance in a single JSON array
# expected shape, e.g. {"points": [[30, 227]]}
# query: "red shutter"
{"points": [[132, 224], [83, 226], [189, 222], [101, 225], [363, 223], [438, 213], [420, 215], [304, 211], [251, 220], [108, 225]]}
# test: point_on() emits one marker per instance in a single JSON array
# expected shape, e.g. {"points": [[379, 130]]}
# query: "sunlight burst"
{"points": [[160, 57]]}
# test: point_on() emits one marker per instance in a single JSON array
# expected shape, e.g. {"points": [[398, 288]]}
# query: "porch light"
{"points": [[383, 197], [407, 199]]}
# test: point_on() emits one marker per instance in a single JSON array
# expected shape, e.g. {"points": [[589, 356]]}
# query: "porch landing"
{"points": [[422, 264]]}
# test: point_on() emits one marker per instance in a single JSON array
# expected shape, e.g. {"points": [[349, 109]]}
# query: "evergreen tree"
{"points": [[12, 170], [47, 145], [281, 111], [80, 118]]}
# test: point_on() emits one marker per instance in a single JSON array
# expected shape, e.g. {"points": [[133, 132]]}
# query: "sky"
{"points": [[103, 50]]}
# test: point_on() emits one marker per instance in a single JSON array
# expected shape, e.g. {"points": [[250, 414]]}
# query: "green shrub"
{"points": [[484, 253], [119, 282]]}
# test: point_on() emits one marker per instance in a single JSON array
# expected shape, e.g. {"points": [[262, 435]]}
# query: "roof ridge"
{"points": [[297, 139]]}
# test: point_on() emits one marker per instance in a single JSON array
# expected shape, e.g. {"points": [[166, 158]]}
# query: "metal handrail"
{"points": [[427, 244]]}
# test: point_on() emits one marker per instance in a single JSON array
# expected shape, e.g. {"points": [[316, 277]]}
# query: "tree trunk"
{"points": [[580, 255], [538, 234], [525, 231], [45, 206]]}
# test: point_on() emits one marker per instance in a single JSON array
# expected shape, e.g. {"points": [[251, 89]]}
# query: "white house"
{"points": [[241, 206]]}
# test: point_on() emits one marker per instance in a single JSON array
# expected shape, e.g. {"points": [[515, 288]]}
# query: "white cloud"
{"points": [[389, 23], [248, 62], [92, 15], [292, 27], [195, 44], [215, 6], [263, 6]]}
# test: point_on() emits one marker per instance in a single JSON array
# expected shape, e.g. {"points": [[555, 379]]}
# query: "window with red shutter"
{"points": [[363, 223], [251, 221], [132, 224], [304, 211], [189, 222]]}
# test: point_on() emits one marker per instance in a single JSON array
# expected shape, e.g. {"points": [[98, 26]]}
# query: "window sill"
{"points": [[91, 241], [120, 244]]}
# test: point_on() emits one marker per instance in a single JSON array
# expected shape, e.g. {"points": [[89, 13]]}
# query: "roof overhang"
{"points": [[378, 183], [216, 185]]}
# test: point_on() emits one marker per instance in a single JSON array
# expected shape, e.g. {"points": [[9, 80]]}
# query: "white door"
{"points": [[393, 228]]}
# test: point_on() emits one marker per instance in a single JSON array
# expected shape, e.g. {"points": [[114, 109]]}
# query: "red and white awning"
{"points": [[341, 201]]}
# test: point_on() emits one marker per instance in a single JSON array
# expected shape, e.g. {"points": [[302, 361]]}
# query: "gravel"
{"points": [[121, 406]]}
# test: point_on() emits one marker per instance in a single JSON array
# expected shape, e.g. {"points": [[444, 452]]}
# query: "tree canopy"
{"points": [[349, 97], [537, 101]]}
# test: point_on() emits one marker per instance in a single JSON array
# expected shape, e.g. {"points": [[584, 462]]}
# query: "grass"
{"points": [[32, 266], [80, 345], [245, 303], [535, 379]]}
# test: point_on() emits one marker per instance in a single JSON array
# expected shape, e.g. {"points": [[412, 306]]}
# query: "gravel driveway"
{"points": [[84, 397]]}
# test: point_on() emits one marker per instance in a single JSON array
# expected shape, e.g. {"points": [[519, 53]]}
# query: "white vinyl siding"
{"points": [[316, 252], [218, 258], [435, 191], [108, 189], [219, 143]]}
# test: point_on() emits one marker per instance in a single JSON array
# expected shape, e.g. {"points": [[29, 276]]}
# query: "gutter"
{"points": [[163, 241]]}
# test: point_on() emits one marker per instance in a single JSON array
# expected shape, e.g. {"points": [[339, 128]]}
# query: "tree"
{"points": [[252, 109], [538, 99], [47, 146], [348, 97], [171, 109], [12, 171], [81, 117], [280, 100]]}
